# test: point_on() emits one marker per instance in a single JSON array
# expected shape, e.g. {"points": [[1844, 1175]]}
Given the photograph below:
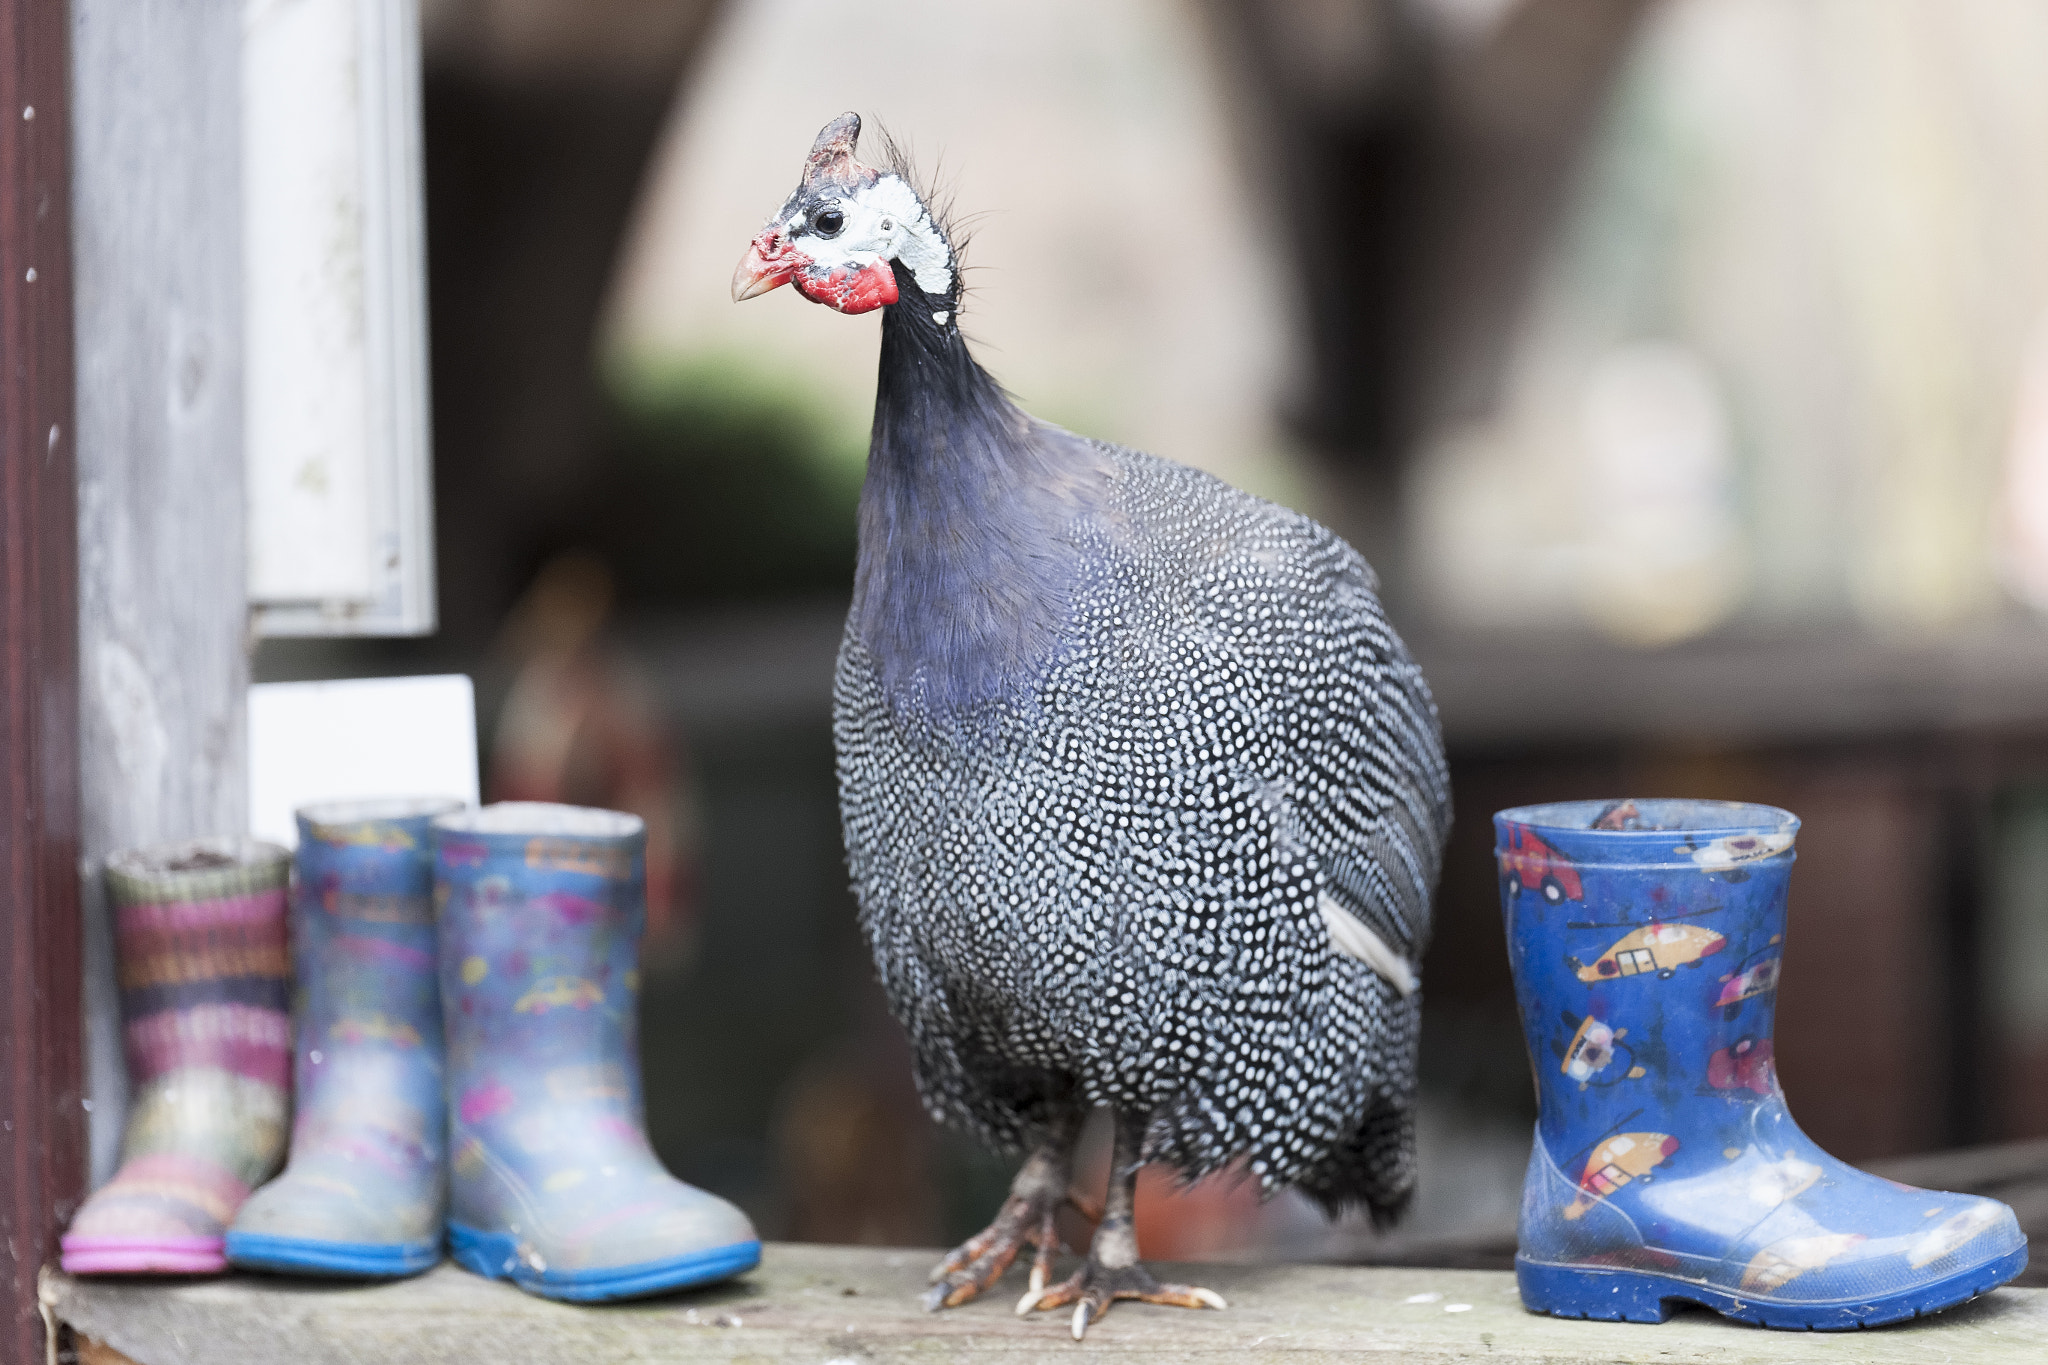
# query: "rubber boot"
{"points": [[1645, 938], [365, 1191], [553, 1184], [199, 948]]}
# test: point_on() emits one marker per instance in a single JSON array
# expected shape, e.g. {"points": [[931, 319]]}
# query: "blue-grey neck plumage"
{"points": [[966, 568]]}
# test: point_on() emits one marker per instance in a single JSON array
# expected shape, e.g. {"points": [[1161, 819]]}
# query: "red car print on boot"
{"points": [[1743, 1065], [1528, 861]]}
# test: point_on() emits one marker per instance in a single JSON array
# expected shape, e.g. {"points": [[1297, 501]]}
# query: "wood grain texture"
{"points": [[825, 1304], [42, 1169], [162, 572], [92, 1352]]}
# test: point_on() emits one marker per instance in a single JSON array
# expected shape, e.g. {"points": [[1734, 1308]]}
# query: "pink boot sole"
{"points": [[143, 1255]]}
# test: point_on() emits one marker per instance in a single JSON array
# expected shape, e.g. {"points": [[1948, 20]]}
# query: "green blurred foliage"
{"points": [[731, 484]]}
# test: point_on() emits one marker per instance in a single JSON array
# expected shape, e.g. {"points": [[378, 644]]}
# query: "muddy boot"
{"points": [[1645, 938], [365, 1191], [199, 947], [554, 1186]]}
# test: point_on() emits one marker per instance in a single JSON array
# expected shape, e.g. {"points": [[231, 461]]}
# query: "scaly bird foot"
{"points": [[981, 1260], [1094, 1287]]}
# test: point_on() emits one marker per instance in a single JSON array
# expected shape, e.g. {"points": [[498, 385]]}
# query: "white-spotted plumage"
{"points": [[1116, 890], [1143, 798]]}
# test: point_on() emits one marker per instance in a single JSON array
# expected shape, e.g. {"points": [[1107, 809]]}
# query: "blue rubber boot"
{"points": [[554, 1186], [364, 1192], [1645, 938]]}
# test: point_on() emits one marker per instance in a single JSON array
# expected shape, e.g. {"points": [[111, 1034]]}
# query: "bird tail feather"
{"points": [[1373, 1169]]}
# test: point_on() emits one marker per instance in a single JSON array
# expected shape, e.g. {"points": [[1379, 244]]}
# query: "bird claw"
{"points": [[1041, 1274], [1094, 1287], [967, 1252], [980, 1261]]}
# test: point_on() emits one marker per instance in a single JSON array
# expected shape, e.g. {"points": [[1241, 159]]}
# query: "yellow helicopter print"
{"points": [[1659, 948], [560, 992], [1614, 1163]]}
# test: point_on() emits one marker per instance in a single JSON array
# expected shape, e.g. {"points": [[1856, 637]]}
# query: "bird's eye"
{"points": [[828, 223]]}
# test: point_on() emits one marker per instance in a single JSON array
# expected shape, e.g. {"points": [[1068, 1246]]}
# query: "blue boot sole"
{"points": [[495, 1256], [308, 1256], [1635, 1296]]}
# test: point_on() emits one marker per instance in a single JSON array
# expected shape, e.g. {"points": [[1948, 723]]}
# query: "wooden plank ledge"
{"points": [[854, 1305]]}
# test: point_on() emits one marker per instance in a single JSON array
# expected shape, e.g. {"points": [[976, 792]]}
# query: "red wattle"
{"points": [[849, 290]]}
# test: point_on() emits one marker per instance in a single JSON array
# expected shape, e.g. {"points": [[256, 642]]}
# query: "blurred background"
{"points": [[1682, 367]]}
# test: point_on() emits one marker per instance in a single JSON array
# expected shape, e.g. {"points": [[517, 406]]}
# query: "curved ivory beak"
{"points": [[769, 262]]}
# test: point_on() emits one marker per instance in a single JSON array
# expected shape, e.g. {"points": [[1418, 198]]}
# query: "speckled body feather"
{"points": [[1094, 786]]}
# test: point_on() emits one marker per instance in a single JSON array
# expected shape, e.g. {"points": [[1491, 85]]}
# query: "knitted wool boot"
{"points": [[200, 950], [365, 1188], [554, 1186], [1645, 938]]}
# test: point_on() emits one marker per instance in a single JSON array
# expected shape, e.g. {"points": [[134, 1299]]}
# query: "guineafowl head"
{"points": [[852, 237]]}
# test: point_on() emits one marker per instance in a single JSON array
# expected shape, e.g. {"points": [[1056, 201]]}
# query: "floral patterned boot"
{"points": [[554, 1186], [364, 1192]]}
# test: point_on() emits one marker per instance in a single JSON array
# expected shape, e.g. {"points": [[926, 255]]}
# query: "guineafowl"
{"points": [[1144, 800]]}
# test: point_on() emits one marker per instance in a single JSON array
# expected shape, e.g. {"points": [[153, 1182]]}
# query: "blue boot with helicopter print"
{"points": [[1645, 938]]}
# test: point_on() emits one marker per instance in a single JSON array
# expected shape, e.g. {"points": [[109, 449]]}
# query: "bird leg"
{"points": [[1112, 1271], [1026, 1217]]}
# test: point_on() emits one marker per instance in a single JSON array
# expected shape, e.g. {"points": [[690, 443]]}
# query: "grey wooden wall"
{"points": [[163, 663]]}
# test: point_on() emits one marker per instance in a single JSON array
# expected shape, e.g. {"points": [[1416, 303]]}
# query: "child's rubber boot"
{"points": [[199, 948], [553, 1185], [1645, 938], [365, 1191]]}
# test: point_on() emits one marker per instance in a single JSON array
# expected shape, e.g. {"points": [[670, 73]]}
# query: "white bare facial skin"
{"points": [[884, 221]]}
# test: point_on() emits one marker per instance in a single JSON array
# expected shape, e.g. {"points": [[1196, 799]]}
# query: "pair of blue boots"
{"points": [[1646, 938], [467, 1065]]}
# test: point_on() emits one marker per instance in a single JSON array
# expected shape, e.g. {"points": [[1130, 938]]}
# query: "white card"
{"points": [[357, 739]]}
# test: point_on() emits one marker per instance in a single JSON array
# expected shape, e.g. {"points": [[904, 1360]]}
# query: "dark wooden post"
{"points": [[1441, 161], [1440, 158], [42, 1124]]}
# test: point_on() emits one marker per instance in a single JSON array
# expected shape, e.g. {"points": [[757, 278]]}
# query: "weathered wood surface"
{"points": [[827, 1305], [90, 1352], [162, 572]]}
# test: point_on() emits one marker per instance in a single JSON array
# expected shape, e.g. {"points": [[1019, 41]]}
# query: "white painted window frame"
{"points": [[340, 478]]}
